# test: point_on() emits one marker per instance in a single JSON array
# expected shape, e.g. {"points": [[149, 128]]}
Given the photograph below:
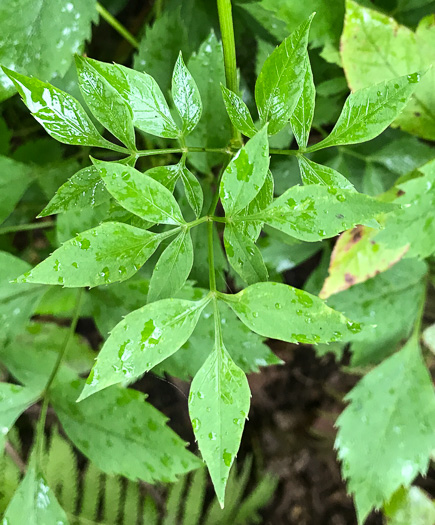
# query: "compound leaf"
{"points": [[246, 348], [245, 174], [172, 269], [193, 190], [142, 340], [311, 213], [121, 433], [282, 312], [313, 173], [281, 79], [186, 96], [83, 190], [59, 114], [261, 201], [166, 175], [109, 253], [142, 93], [105, 102], [369, 111], [385, 435], [243, 255], [238, 112], [219, 401], [139, 193], [302, 116]]}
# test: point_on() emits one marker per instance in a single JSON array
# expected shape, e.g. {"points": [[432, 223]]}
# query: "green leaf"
{"points": [[279, 17], [156, 59], [385, 435], [410, 506], [213, 130], [15, 177], [122, 434], [186, 96], [140, 194], [356, 258], [142, 340], [246, 348], [281, 79], [219, 401], [142, 93], [243, 255], [36, 350], [59, 114], [369, 111], [387, 305], [84, 189], [106, 254], [42, 40], [267, 308], [73, 222], [36, 501], [302, 116], [311, 213], [17, 301], [172, 269], [238, 112], [111, 303], [166, 175], [313, 173], [105, 102], [261, 201], [366, 36], [414, 224], [193, 190], [14, 400], [245, 174]]}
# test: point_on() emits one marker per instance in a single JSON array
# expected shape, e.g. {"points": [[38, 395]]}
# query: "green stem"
{"points": [[168, 151], [218, 340], [26, 227], [117, 26], [275, 151], [197, 221], [229, 47], [211, 270], [320, 145], [219, 219], [43, 416]]}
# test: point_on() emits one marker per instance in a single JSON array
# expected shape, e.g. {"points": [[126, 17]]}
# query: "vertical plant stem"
{"points": [[211, 270], [227, 32], [117, 26], [39, 441]]}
